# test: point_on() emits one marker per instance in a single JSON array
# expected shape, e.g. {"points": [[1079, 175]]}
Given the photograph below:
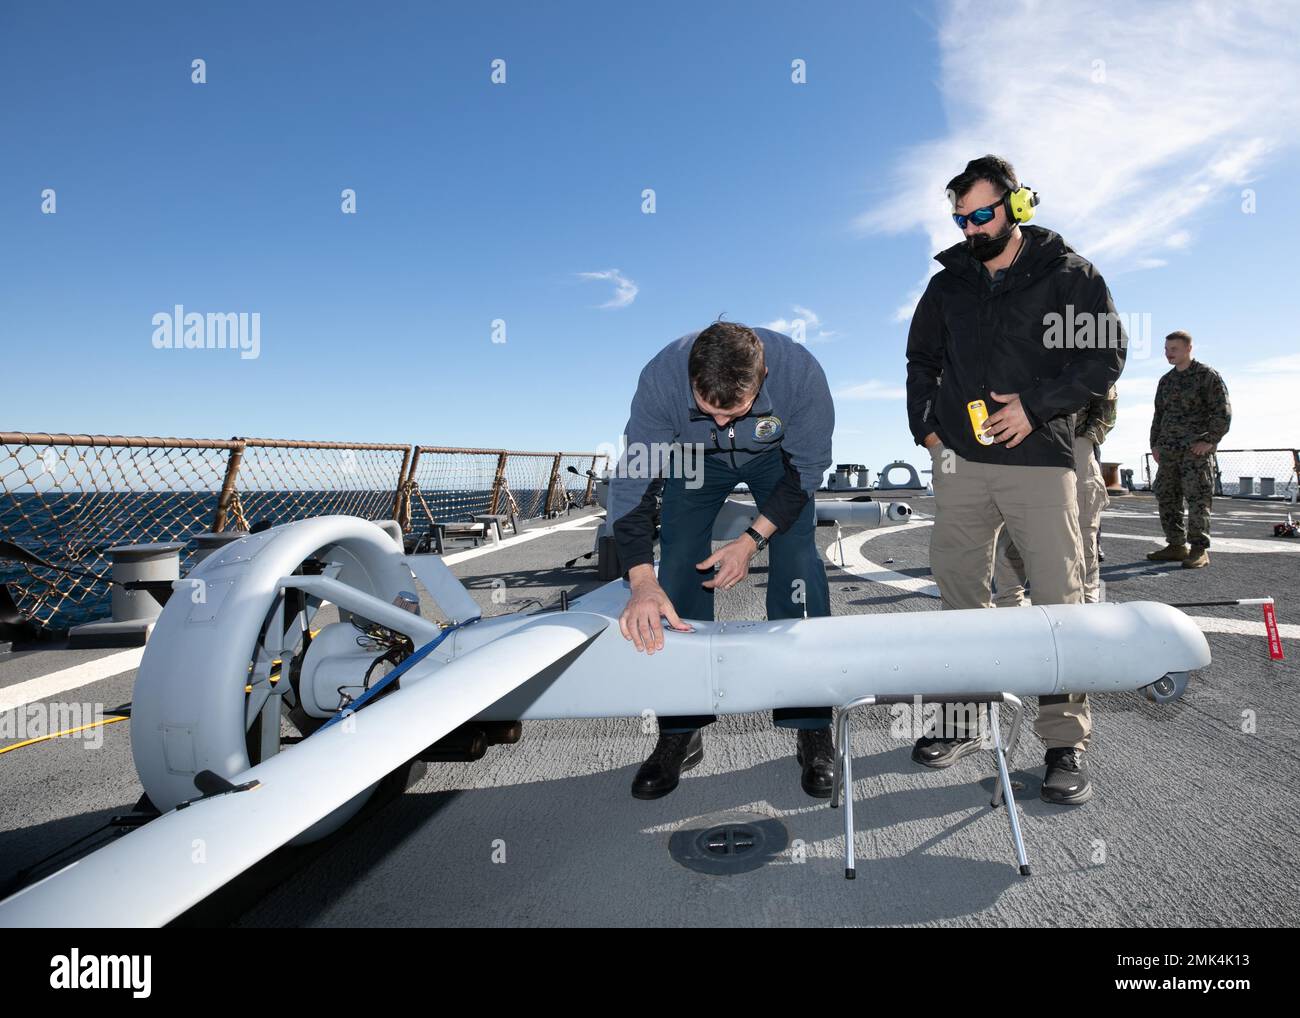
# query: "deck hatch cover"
{"points": [[734, 843]]}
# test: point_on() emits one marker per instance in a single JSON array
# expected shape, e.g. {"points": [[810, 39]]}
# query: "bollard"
{"points": [[134, 611], [142, 562], [205, 544]]}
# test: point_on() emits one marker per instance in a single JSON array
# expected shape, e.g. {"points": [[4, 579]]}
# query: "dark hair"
{"points": [[996, 170], [726, 363], [1186, 337]]}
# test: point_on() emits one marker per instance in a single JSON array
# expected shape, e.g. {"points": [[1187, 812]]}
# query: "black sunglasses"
{"points": [[980, 217]]}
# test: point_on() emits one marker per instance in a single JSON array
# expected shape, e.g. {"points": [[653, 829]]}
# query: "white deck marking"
{"points": [[859, 565], [23, 693], [1248, 515], [512, 542], [1242, 627], [1219, 545]]}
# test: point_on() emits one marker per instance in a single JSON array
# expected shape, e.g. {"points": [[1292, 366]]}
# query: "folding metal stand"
{"points": [[843, 783]]}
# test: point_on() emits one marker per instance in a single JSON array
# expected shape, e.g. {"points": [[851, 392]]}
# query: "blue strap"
{"points": [[392, 676]]}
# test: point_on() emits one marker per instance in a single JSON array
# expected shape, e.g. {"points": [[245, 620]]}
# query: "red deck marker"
{"points": [[1270, 628]]}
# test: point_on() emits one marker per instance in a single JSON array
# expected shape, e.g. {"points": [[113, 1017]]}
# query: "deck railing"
{"points": [[68, 498], [1267, 473]]}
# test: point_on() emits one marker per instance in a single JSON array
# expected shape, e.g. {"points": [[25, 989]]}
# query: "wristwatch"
{"points": [[759, 539]]}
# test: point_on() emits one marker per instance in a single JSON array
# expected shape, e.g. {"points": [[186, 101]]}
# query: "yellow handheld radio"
{"points": [[978, 415]]}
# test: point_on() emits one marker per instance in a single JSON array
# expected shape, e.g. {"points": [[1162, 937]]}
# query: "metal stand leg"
{"points": [[1004, 793], [842, 785], [843, 780]]}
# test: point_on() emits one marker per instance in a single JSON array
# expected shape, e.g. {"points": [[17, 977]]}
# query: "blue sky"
{"points": [[1143, 130]]}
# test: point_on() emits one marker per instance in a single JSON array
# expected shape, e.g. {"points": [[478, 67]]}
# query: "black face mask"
{"points": [[987, 248]]}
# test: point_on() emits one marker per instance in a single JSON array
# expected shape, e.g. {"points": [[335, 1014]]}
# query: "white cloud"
{"points": [[904, 311], [1289, 362], [812, 330], [874, 389], [1134, 386], [625, 290], [1190, 102]]}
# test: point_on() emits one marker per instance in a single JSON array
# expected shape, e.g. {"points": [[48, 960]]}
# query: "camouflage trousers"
{"points": [[1182, 477]]}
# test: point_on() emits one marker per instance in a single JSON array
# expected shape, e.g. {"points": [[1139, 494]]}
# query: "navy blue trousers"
{"points": [[795, 577]]}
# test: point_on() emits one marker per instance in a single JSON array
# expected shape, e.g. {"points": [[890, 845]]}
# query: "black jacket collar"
{"points": [[1045, 249]]}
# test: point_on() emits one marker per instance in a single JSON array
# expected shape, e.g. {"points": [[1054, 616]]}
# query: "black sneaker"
{"points": [[940, 753], [815, 751], [1066, 781], [673, 753]]}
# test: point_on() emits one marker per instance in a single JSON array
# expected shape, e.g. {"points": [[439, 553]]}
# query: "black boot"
{"points": [[940, 753], [1066, 781], [816, 755], [673, 753]]}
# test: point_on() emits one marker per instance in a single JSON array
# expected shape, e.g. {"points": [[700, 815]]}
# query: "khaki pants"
{"points": [[1038, 507], [1090, 492]]}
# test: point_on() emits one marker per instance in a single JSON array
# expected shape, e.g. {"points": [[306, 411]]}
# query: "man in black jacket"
{"points": [[1009, 339]]}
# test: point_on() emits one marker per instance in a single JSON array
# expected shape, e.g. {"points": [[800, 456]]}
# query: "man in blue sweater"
{"points": [[714, 409]]}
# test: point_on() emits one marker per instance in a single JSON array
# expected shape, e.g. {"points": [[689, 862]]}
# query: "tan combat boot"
{"points": [[1169, 553], [1198, 559]]}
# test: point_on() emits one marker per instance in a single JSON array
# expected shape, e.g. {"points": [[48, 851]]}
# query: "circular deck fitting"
{"points": [[734, 843]]}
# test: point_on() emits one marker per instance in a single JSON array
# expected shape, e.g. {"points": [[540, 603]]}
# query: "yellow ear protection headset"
{"points": [[1020, 202]]}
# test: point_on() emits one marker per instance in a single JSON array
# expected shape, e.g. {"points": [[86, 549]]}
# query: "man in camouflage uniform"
{"points": [[1192, 414], [1092, 424]]}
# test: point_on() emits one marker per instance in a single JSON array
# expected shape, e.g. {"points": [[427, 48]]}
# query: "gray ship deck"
{"points": [[1195, 822]]}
